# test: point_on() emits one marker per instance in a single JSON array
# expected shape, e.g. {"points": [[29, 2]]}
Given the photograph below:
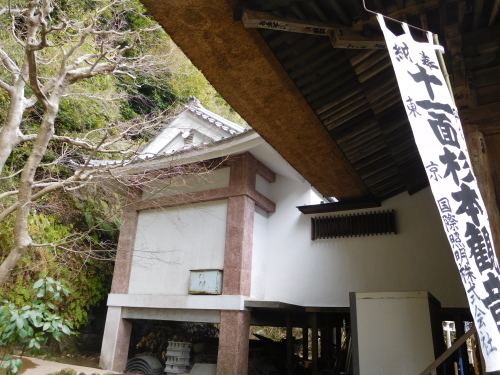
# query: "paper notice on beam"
{"points": [[441, 143]]}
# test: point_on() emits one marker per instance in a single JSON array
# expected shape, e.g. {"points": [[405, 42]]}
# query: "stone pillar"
{"points": [[235, 325], [114, 351], [239, 228], [238, 253], [233, 343], [115, 343], [126, 242]]}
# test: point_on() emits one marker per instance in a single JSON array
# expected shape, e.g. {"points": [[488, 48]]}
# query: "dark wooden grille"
{"points": [[363, 224]]}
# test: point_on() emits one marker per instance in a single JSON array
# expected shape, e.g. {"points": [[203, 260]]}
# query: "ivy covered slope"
{"points": [[71, 224]]}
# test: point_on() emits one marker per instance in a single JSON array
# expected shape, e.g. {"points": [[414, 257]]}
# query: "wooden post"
{"points": [[327, 341], [462, 88], [338, 334], [289, 344], [314, 346], [462, 351], [483, 172], [305, 340]]}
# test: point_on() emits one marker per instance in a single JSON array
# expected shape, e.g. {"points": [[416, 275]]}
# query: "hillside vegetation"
{"points": [[73, 228]]}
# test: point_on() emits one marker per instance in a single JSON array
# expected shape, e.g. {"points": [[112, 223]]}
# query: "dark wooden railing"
{"points": [[448, 352]]}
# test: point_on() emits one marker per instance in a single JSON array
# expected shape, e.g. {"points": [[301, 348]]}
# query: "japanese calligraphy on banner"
{"points": [[441, 143]]}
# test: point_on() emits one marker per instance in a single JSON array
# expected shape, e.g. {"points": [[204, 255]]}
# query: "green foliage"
{"points": [[90, 104], [31, 325], [81, 232]]}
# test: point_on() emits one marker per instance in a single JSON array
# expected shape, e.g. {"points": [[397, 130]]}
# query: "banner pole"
{"points": [[443, 67]]}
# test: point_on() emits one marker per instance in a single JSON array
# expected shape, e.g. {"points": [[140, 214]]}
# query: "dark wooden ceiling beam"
{"points": [[360, 56], [312, 51], [442, 14], [494, 13], [360, 134], [478, 10], [342, 105], [340, 12], [262, 20], [298, 12], [326, 101], [461, 12], [486, 117], [310, 66], [413, 9], [381, 155], [386, 101], [346, 115], [327, 83], [318, 11], [370, 61], [329, 86], [349, 108], [342, 95], [341, 36], [375, 69]]}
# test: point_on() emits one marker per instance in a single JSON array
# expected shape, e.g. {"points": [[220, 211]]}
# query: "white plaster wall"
{"points": [[262, 186], [187, 184], [323, 272], [172, 241]]}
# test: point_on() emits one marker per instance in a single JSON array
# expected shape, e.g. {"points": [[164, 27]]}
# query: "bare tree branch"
{"points": [[8, 193]]}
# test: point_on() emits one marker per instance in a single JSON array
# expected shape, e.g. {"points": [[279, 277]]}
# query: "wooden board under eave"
{"points": [[244, 71]]}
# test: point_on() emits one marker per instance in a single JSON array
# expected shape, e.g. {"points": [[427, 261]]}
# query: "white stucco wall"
{"points": [[172, 241], [323, 272]]}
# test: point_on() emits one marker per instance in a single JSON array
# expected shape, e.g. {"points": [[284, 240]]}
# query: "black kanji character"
{"points": [[443, 130], [467, 275], [489, 247], [412, 107], [479, 316], [487, 343], [470, 204], [433, 168], [422, 76], [472, 295], [460, 255], [452, 167], [450, 222], [426, 61], [444, 205], [402, 52], [427, 104], [492, 302], [478, 248], [469, 178]]}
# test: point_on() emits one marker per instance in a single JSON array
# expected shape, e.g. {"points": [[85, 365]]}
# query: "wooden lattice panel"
{"points": [[362, 224]]}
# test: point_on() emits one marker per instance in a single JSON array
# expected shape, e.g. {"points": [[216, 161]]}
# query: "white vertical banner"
{"points": [[440, 140]]}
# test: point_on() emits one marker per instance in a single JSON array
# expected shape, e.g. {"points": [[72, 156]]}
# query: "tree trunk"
{"points": [[22, 239], [10, 133]]}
